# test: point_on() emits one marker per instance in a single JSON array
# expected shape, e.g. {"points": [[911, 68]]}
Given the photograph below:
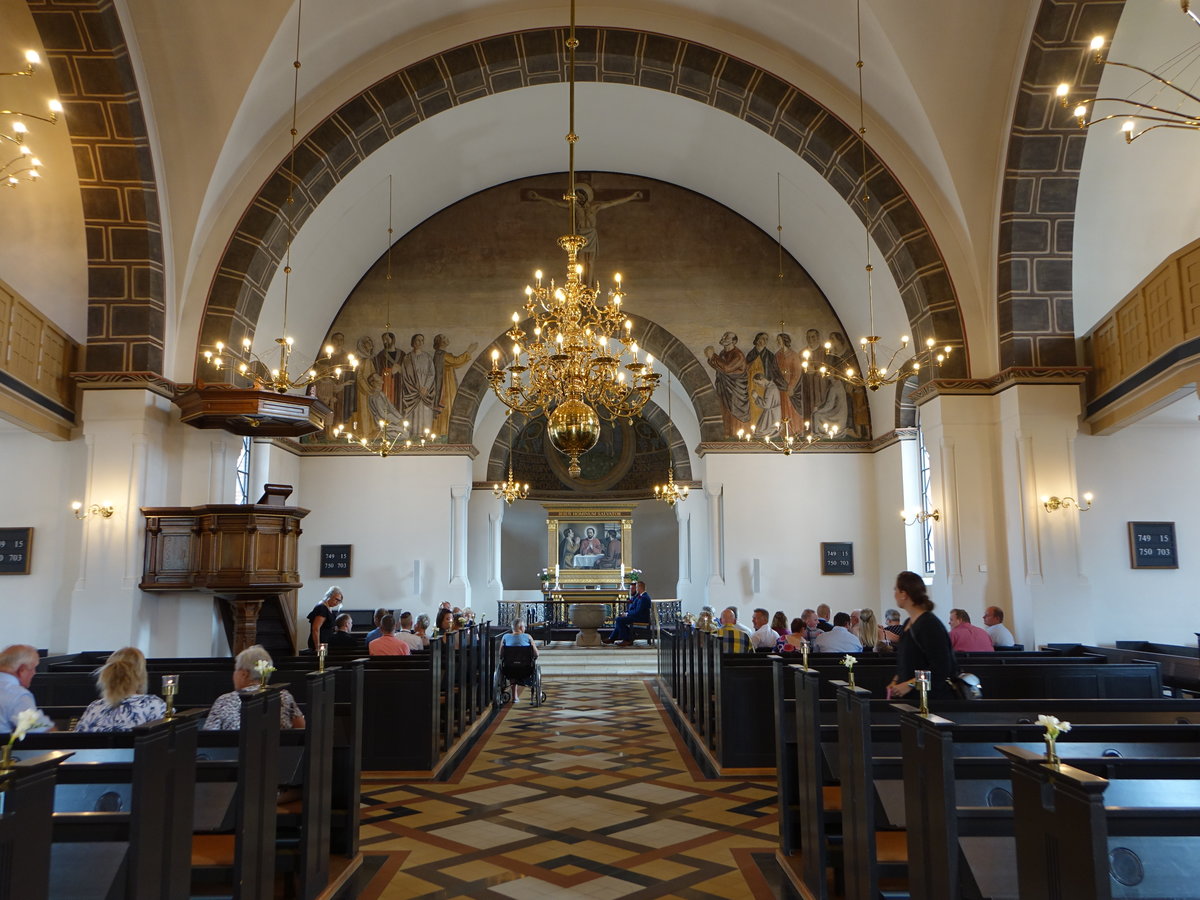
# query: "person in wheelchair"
{"points": [[518, 638]]}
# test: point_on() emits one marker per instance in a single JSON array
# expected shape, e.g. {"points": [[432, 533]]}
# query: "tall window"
{"points": [[923, 482], [241, 488]]}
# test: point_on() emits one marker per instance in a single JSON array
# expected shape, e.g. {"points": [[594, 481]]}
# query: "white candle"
{"points": [[622, 572], [556, 573]]}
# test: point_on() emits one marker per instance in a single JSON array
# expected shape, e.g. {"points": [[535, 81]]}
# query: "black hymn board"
{"points": [[1152, 545], [335, 560], [16, 546], [837, 558]]}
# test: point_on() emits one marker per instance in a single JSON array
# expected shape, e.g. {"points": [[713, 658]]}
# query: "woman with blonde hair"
{"points": [[868, 629], [124, 703]]}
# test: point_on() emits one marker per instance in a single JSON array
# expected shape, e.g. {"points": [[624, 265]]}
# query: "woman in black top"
{"points": [[322, 617], [925, 643]]}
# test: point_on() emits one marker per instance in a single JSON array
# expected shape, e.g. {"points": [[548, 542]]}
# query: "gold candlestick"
{"points": [[321, 651], [804, 653], [922, 678], [170, 685]]}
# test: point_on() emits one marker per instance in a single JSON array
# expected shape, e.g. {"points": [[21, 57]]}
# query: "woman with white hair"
{"points": [[226, 712], [124, 703]]}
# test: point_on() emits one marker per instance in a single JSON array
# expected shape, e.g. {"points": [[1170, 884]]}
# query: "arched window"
{"points": [[241, 474]]}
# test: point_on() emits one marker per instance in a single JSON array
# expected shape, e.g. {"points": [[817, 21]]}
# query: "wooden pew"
{"points": [[958, 795], [1142, 842], [132, 789], [25, 825]]}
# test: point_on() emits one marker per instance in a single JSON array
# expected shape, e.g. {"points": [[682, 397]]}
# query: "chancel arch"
{"points": [[616, 56]]}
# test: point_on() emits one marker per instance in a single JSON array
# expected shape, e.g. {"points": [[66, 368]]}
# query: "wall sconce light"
{"points": [[1053, 503], [104, 511], [919, 515]]}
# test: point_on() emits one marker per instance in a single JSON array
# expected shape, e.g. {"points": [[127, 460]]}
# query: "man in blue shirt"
{"points": [[18, 664], [639, 612]]}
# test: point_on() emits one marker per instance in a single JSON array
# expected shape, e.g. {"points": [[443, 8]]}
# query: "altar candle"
{"points": [[622, 573], [556, 573]]}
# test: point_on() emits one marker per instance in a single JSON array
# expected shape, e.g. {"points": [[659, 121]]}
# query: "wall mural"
{"points": [[688, 263]]}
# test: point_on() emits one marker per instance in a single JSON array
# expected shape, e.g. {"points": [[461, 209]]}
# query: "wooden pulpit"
{"points": [[243, 554]]}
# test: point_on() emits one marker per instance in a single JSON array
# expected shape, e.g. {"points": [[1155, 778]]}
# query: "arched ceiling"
{"points": [[219, 91]]}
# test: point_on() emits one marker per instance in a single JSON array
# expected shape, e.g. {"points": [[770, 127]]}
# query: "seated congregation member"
{"points": [[735, 638], [810, 629], [823, 617], [342, 638], [518, 638], [993, 620], [387, 644], [867, 630], [322, 617], [838, 639], [421, 630], [376, 631], [18, 663], [405, 632], [925, 643], [638, 614], [226, 712], [890, 631], [764, 636], [965, 637], [123, 702], [794, 640], [779, 623], [443, 622]]}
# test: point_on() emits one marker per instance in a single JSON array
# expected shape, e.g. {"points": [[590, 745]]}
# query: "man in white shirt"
{"points": [[764, 636], [993, 618], [406, 635], [839, 639]]}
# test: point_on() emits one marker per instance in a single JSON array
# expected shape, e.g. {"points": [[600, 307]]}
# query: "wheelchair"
{"points": [[519, 665]]}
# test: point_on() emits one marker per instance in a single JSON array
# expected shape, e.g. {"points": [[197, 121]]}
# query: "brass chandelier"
{"points": [[784, 440], [1142, 116], [511, 490], [670, 493], [875, 375], [248, 364], [387, 440], [24, 167], [571, 365]]}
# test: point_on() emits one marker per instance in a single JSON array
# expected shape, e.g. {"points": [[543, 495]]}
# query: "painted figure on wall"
{"points": [[362, 386], [586, 209], [812, 386], [418, 383], [446, 382], [612, 550], [732, 383], [788, 362], [761, 361], [387, 365], [568, 546], [381, 408], [769, 417]]}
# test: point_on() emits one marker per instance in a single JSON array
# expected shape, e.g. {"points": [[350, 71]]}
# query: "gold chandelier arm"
{"points": [[51, 119], [1163, 81]]}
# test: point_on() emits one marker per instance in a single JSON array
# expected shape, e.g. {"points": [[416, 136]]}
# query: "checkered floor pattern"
{"points": [[585, 797]]}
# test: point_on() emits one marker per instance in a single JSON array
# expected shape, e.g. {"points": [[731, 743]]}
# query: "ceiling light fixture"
{"points": [[671, 492], [875, 375], [248, 364], [571, 368], [510, 490], [24, 167], [1142, 116]]}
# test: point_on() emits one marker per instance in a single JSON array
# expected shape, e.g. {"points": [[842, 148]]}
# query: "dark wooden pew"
{"points": [[25, 825], [1081, 835], [958, 795]]}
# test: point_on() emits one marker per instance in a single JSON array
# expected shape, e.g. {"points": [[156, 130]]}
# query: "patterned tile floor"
{"points": [[585, 797]]}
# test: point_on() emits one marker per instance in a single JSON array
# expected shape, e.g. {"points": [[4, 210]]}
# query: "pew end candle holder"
{"points": [[322, 652], [922, 678], [848, 661], [804, 647], [170, 687]]}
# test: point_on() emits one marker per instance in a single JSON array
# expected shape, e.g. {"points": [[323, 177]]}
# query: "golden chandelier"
{"points": [[1143, 116], [24, 166], [670, 493], [784, 440], [571, 365], [875, 375], [510, 490], [386, 441]]}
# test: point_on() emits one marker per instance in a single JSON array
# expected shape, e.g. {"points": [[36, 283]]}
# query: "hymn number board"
{"points": [[837, 558], [1152, 545], [335, 560], [16, 545]]}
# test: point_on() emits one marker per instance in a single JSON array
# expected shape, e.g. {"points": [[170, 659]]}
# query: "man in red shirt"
{"points": [[388, 644], [965, 637]]}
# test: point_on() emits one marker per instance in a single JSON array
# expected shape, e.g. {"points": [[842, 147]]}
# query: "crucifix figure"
{"points": [[586, 209]]}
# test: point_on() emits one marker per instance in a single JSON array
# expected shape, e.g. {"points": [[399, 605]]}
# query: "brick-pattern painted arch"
{"points": [[619, 56], [1037, 217]]}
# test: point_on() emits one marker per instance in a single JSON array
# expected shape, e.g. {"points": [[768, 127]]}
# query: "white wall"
{"points": [[779, 509], [395, 513], [1141, 474], [42, 479]]}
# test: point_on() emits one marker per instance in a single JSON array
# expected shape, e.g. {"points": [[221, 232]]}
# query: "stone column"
{"points": [[460, 584]]}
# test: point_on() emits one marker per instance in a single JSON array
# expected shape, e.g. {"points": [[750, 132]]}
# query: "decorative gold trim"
{"points": [[1001, 381], [128, 381]]}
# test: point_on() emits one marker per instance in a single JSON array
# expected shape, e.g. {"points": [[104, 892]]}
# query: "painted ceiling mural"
{"points": [[694, 267]]}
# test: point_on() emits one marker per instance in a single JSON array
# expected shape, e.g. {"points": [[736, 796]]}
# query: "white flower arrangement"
{"points": [[848, 661], [1054, 726], [264, 669], [27, 720]]}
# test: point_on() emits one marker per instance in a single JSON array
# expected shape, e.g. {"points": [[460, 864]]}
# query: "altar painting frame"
{"points": [[605, 520]]}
